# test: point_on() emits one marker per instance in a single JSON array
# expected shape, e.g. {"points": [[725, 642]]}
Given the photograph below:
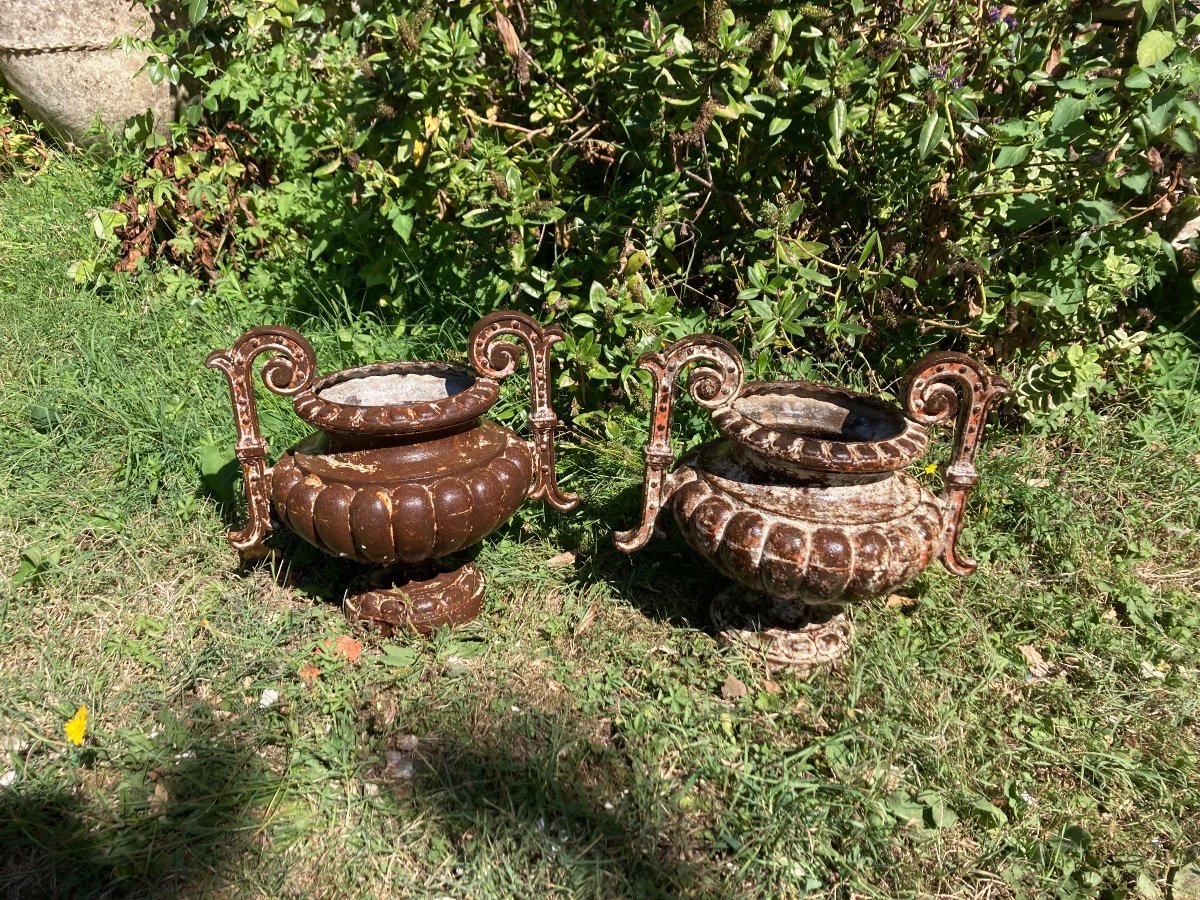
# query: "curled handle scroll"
{"points": [[951, 385], [495, 358], [711, 386], [289, 372]]}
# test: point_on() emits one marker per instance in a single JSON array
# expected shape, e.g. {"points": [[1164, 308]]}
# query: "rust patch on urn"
{"points": [[403, 471]]}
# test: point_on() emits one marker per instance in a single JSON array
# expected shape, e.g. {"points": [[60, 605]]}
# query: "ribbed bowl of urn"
{"points": [[804, 501], [403, 471]]}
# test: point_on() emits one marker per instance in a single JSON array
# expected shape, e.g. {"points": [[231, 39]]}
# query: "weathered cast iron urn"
{"points": [[803, 501], [404, 470]]}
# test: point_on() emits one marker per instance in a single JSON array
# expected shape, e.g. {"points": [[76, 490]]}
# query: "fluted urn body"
{"points": [[804, 501], [403, 471]]}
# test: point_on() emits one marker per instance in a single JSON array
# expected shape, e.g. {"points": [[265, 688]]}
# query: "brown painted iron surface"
{"points": [[803, 501], [404, 471], [421, 600], [405, 503]]}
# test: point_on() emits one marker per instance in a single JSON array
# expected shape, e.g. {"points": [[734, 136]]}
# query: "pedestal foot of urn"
{"points": [[391, 601], [800, 637]]}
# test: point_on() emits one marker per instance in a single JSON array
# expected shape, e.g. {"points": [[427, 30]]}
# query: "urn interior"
{"points": [[397, 399], [395, 388], [794, 427], [821, 414]]}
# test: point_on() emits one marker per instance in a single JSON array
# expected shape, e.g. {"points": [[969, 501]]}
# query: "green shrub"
{"points": [[819, 183], [21, 149]]}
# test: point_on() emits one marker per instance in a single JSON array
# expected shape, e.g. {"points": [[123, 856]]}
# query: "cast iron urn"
{"points": [[404, 470], [804, 501]]}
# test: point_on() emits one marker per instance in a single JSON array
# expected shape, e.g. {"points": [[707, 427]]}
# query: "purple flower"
{"points": [[670, 52], [956, 81], [645, 26], [993, 15], [939, 71], [1011, 21]]}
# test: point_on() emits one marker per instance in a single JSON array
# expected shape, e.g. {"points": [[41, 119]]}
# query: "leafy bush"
{"points": [[844, 180]]}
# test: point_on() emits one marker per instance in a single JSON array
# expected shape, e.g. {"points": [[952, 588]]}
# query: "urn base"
{"points": [[389, 601], [802, 638]]}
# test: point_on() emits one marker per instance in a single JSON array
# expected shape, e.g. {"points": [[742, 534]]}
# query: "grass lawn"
{"points": [[1032, 731]]}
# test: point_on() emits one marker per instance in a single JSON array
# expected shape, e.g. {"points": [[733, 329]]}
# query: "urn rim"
{"points": [[817, 427], [416, 416]]}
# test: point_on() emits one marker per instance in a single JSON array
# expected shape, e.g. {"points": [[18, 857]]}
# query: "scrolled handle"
{"points": [[940, 387], [288, 373], [495, 358], [711, 386]]}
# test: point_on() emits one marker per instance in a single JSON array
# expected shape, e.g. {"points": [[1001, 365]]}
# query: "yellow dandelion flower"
{"points": [[76, 726], [931, 468]]}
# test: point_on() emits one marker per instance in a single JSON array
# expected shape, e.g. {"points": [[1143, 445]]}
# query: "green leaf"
{"points": [[481, 218], [814, 276], [1161, 112], [778, 126], [1186, 883], [1138, 81], [466, 649], [1029, 209], [220, 470], [597, 295], [1068, 109], [908, 811], [1011, 156], [403, 224], [287, 7], [987, 813], [1154, 47], [43, 416], [937, 813], [106, 221], [931, 134], [837, 121], [34, 563], [329, 168], [400, 657], [1097, 212], [1151, 8], [197, 10]]}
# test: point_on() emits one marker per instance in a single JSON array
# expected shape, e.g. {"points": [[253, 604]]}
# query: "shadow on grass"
{"points": [[170, 830], [666, 580], [532, 795]]}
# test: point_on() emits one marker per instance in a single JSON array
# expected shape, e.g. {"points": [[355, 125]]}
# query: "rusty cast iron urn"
{"points": [[804, 501], [404, 470]]}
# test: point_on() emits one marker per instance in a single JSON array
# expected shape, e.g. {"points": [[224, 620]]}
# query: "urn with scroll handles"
{"points": [[804, 501], [404, 470]]}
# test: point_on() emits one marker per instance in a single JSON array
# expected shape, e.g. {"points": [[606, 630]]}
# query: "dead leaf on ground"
{"points": [[159, 798], [1149, 670], [771, 687], [309, 673], [734, 688], [1039, 669], [900, 601], [567, 558], [398, 765], [346, 647], [1034, 482], [586, 620]]}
